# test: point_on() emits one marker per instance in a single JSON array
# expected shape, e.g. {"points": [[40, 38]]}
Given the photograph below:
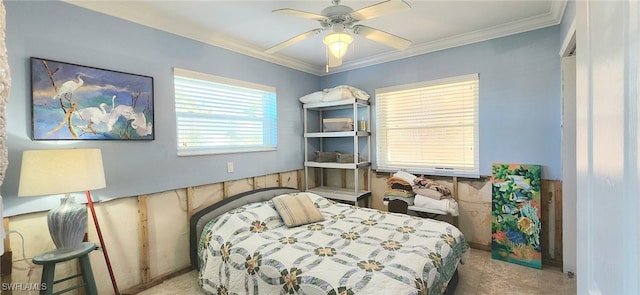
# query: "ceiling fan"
{"points": [[341, 19]]}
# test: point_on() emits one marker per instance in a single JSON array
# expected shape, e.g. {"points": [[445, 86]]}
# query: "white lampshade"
{"points": [[51, 172], [337, 43]]}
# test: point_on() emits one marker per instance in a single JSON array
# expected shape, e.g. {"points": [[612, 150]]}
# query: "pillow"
{"points": [[344, 92], [358, 93], [312, 97], [337, 93], [297, 209]]}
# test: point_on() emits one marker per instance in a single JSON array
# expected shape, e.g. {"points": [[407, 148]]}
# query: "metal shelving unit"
{"points": [[359, 138]]}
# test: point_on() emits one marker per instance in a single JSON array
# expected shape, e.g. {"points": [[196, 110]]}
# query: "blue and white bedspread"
{"points": [[249, 250]]}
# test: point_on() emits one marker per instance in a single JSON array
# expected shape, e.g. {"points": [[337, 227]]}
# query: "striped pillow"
{"points": [[297, 209]]}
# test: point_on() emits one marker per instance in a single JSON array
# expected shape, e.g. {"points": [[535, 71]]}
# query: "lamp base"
{"points": [[67, 224]]}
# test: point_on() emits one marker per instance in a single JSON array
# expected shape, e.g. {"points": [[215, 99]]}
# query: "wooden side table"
{"points": [[49, 259]]}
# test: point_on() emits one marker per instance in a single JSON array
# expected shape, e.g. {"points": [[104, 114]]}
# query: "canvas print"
{"points": [[74, 102], [516, 214]]}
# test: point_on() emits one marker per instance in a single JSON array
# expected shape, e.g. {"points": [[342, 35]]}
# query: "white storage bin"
{"points": [[337, 124]]}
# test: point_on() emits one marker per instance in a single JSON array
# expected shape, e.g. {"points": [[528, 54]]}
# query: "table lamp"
{"points": [[63, 171]]}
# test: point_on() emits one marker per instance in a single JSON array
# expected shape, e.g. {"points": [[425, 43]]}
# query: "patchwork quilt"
{"points": [[249, 250]]}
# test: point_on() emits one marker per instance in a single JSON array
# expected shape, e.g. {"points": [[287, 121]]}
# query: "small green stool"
{"points": [[49, 259]]}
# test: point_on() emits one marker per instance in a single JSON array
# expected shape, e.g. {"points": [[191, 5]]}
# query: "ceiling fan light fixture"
{"points": [[337, 43]]}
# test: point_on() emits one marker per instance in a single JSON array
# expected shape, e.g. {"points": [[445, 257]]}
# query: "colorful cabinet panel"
{"points": [[516, 214]]}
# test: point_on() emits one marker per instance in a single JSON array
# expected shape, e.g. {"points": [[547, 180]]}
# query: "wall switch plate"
{"points": [[229, 167]]}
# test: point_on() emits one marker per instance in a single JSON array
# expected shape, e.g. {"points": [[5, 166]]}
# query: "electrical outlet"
{"points": [[229, 167]]}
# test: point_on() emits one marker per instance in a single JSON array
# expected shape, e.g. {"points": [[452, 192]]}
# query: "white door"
{"points": [[607, 141]]}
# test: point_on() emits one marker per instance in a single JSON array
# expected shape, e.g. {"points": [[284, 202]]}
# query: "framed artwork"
{"points": [[516, 214], [74, 102]]}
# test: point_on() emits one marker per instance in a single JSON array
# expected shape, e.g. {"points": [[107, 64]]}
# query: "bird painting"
{"points": [[122, 110], [109, 115], [93, 115], [67, 88], [140, 125], [70, 101]]}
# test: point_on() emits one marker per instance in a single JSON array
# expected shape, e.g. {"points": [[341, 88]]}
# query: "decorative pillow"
{"points": [[297, 209]]}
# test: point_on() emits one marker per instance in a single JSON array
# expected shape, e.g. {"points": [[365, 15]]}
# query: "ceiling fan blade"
{"points": [[380, 9], [385, 38], [293, 40], [300, 13]]}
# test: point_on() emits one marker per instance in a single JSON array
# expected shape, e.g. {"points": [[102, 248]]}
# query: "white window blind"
{"points": [[221, 115], [429, 127]]}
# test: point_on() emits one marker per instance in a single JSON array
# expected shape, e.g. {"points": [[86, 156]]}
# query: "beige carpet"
{"points": [[481, 275], [186, 284]]}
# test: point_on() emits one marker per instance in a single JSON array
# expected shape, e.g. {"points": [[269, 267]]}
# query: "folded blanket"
{"points": [[409, 201], [425, 182], [398, 180], [427, 192], [446, 205], [400, 186], [398, 183], [408, 177], [398, 193]]}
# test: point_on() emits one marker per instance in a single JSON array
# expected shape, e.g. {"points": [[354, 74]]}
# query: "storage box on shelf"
{"points": [[337, 124], [328, 121]]}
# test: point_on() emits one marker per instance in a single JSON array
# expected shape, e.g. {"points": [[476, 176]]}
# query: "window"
{"points": [[220, 115], [429, 127]]}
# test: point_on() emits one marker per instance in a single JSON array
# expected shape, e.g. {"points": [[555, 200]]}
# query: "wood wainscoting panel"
{"points": [[551, 217]]}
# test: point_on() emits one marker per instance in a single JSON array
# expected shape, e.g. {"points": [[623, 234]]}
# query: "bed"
{"points": [[242, 245]]}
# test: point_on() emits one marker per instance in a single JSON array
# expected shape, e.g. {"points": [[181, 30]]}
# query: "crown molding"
{"points": [[130, 11], [553, 17]]}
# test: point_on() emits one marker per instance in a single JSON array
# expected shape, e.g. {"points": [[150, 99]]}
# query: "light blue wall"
{"points": [[520, 97], [59, 31]]}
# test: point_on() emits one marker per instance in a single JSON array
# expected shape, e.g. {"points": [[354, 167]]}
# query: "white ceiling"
{"points": [[249, 27]]}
